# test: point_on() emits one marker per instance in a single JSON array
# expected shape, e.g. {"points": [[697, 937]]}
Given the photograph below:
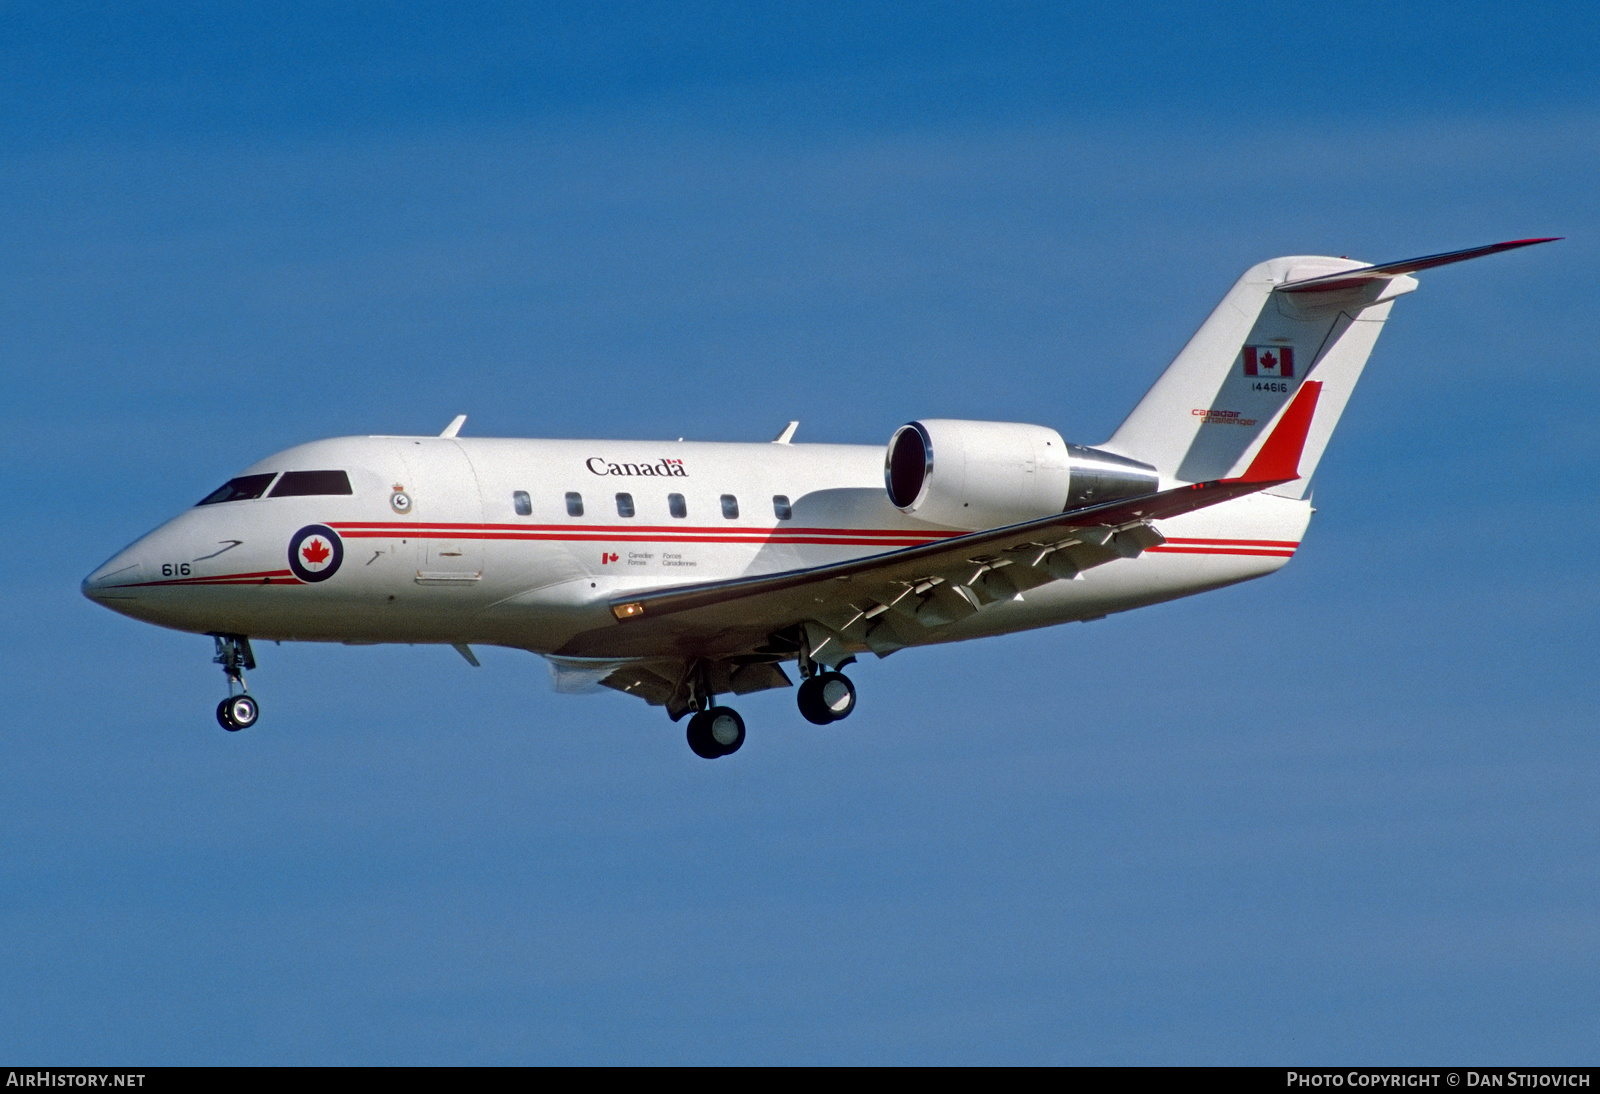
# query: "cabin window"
{"points": [[306, 484], [780, 507], [522, 503], [242, 488], [624, 505], [730, 507], [574, 504], [677, 506]]}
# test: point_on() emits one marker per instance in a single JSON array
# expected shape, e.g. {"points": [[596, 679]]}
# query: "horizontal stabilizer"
{"points": [[1350, 279]]}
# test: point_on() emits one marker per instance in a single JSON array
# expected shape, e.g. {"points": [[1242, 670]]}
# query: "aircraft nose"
{"points": [[110, 582]]}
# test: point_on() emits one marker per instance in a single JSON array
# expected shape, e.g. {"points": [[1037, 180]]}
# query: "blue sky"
{"points": [[1343, 813]]}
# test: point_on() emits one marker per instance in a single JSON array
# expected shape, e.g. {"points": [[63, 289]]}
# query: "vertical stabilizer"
{"points": [[1212, 410], [1286, 321]]}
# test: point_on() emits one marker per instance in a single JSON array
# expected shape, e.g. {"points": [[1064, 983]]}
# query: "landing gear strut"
{"points": [[239, 710]]}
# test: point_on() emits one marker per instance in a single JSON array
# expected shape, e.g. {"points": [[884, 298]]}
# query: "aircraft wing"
{"points": [[931, 584], [734, 633]]}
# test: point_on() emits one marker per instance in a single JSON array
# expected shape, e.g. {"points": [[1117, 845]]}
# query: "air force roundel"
{"points": [[315, 552]]}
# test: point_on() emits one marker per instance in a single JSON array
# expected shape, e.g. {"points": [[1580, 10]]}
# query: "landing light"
{"points": [[627, 611]]}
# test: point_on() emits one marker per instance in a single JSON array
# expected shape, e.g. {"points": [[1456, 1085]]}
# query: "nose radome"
{"points": [[110, 581]]}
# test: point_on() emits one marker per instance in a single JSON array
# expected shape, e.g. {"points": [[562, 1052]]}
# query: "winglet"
{"points": [[455, 426], [1279, 458]]}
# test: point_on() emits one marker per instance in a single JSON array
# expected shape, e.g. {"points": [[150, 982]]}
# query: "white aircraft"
{"points": [[681, 571]]}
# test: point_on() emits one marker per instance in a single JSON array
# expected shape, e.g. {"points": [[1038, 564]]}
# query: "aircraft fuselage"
{"points": [[521, 543]]}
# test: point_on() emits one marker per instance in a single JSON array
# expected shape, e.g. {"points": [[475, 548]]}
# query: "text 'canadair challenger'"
{"points": [[679, 571]]}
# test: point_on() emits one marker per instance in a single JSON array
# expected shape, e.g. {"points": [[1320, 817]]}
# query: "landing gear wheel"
{"points": [[700, 742], [727, 729], [716, 732], [827, 697], [237, 712]]}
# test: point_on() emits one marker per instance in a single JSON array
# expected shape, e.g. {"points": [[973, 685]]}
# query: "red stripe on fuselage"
{"points": [[642, 533], [656, 533], [416, 526], [1289, 543], [622, 537], [692, 533], [1260, 548], [1264, 548], [1218, 551], [260, 577]]}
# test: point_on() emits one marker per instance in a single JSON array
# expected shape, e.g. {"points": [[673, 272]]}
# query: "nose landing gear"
{"points": [[237, 711]]}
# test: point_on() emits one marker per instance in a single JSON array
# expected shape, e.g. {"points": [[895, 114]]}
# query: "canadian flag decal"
{"points": [[1275, 361]]}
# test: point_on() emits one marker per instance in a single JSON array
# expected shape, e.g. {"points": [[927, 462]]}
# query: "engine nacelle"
{"points": [[986, 474]]}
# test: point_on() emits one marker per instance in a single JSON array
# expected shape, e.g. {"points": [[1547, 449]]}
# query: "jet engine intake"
{"points": [[987, 474]]}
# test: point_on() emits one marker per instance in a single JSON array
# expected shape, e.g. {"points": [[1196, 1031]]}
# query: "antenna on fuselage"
{"points": [[455, 426], [787, 435]]}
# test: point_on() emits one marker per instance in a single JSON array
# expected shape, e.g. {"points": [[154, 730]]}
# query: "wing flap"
{"points": [[645, 681]]}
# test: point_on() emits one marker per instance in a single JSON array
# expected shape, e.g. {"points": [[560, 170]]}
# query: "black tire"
{"points": [[701, 742], [809, 699], [238, 712], [716, 732], [827, 697]]}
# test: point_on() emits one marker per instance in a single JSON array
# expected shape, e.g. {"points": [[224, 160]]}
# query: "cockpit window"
{"points": [[242, 488], [303, 484]]}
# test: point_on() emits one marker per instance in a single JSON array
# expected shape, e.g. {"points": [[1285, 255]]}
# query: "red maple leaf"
{"points": [[315, 552], [1268, 361]]}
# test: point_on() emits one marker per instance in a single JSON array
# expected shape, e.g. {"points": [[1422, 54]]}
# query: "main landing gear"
{"points": [[237, 711], [716, 732], [826, 696], [713, 731]]}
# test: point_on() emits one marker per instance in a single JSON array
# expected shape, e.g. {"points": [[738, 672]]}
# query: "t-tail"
{"points": [[1287, 322]]}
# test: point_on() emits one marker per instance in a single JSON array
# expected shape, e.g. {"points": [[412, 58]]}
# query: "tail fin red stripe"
{"points": [[1279, 458]]}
